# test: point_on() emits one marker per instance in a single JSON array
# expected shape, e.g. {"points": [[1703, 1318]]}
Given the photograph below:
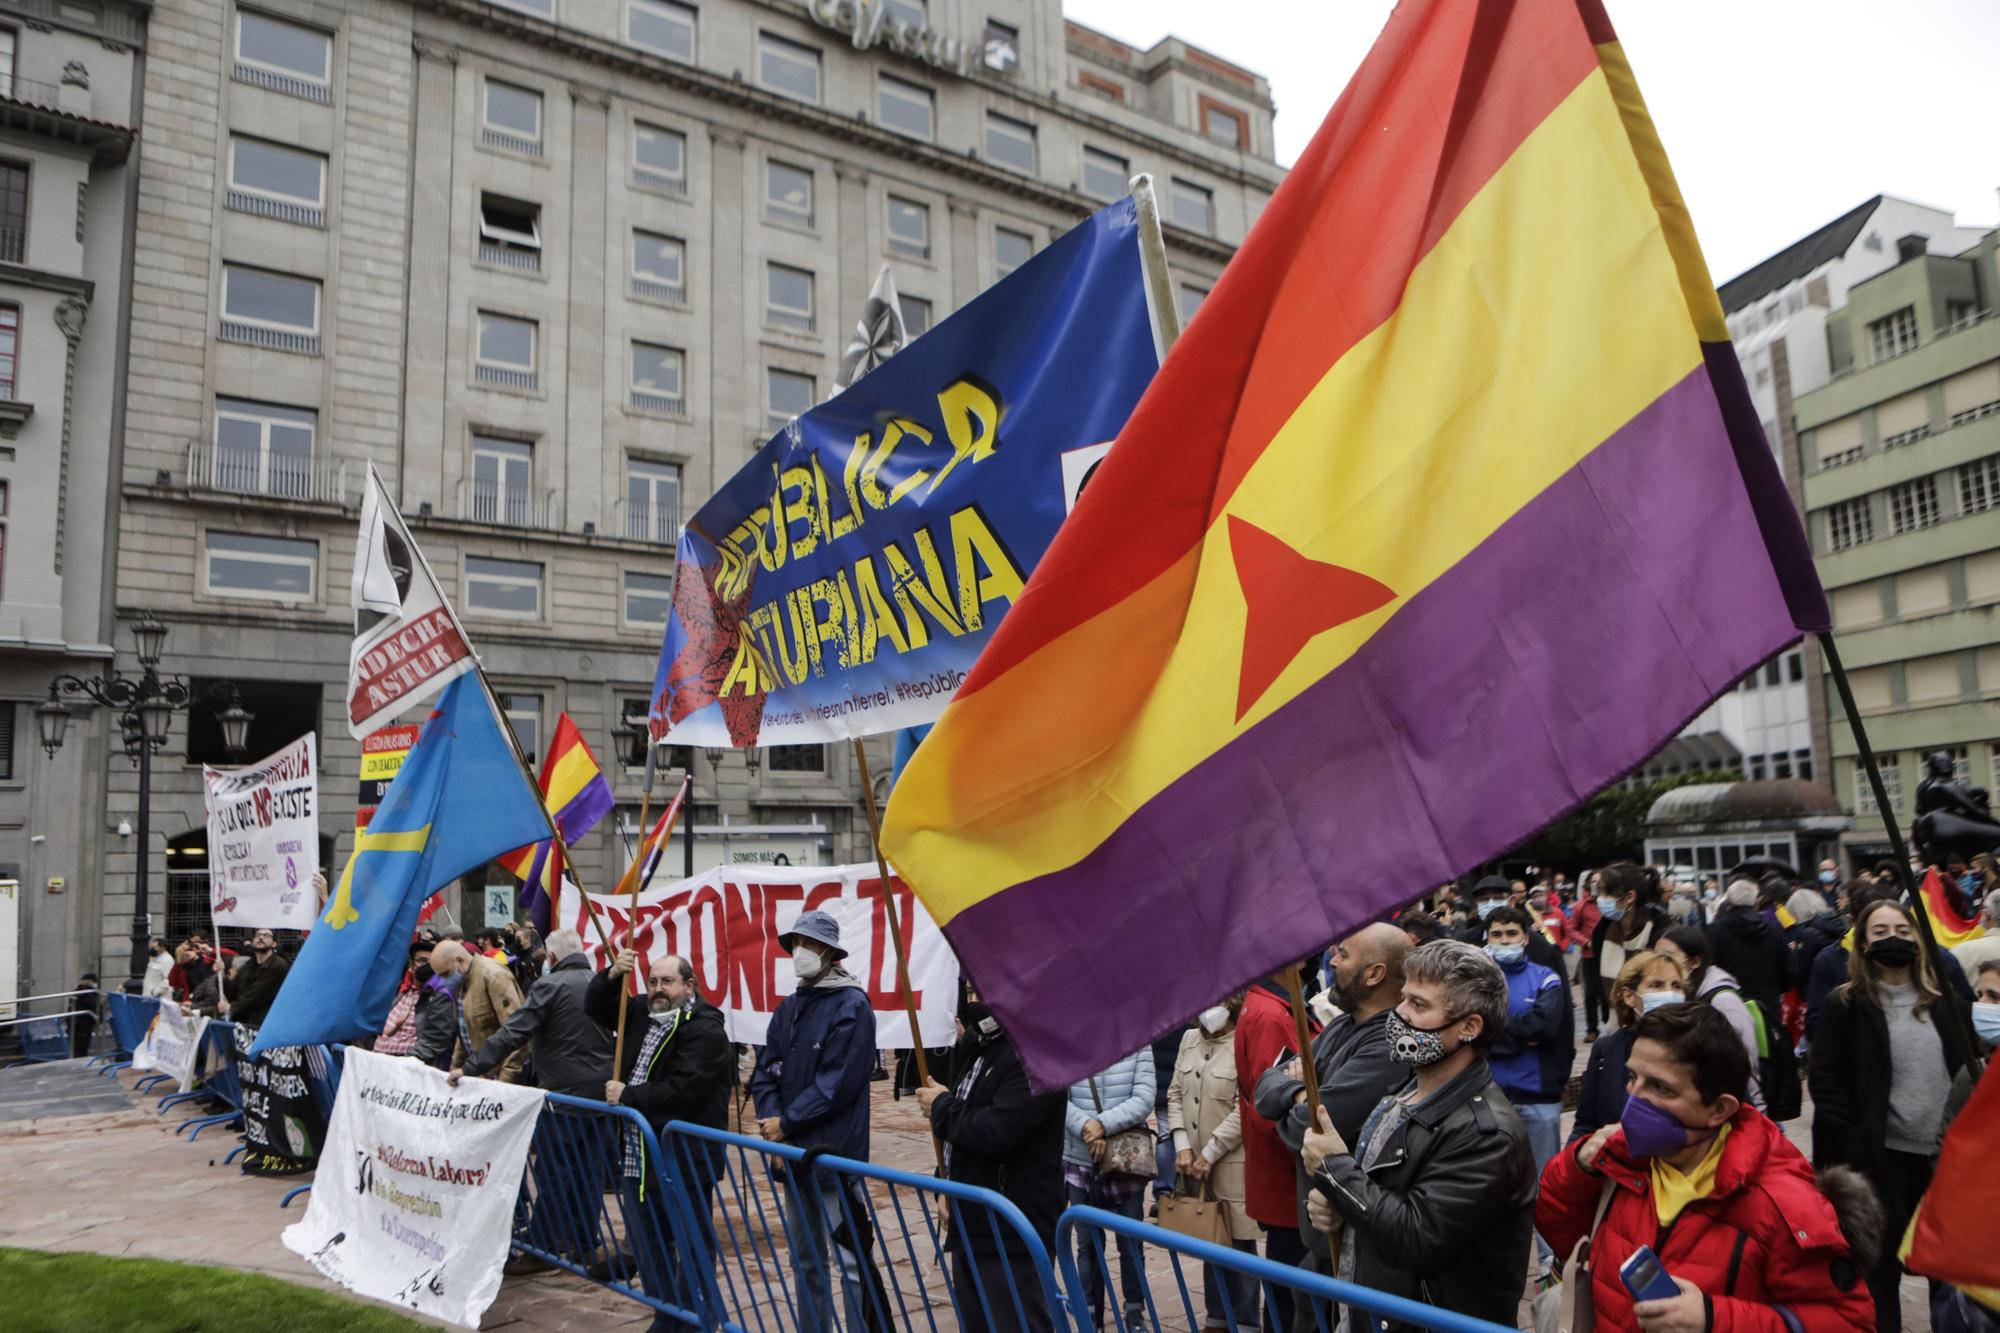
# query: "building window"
{"points": [[3, 538], [660, 26], [1010, 142], [503, 481], [652, 501], [658, 272], [506, 351], [909, 228], [795, 759], [787, 394], [267, 178], [659, 159], [1850, 523], [1003, 46], [6, 742], [1756, 767], [1194, 207], [1972, 395], [270, 309], [656, 378], [1011, 249], [512, 119], [1795, 666], [916, 312], [13, 212], [1781, 764], [281, 711], [910, 13], [1773, 673], [1802, 764], [1105, 174], [788, 194], [787, 67], [283, 56], [1913, 505], [1893, 335], [6, 62], [503, 587], [524, 715], [1978, 481], [648, 599], [788, 297], [242, 564], [1961, 764], [263, 448], [545, 9], [907, 108], [510, 233], [10, 346], [1224, 125], [1191, 299], [1103, 87], [1892, 784]]}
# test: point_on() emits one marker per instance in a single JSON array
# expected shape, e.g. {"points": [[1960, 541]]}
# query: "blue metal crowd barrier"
{"points": [[219, 1080], [43, 1040], [908, 1248], [1235, 1283], [596, 1201], [131, 1016]]}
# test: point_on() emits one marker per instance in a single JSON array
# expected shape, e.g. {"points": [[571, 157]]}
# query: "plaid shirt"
{"points": [[658, 1033]]}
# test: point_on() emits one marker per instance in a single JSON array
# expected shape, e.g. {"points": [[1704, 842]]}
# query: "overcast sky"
{"points": [[1779, 115]]}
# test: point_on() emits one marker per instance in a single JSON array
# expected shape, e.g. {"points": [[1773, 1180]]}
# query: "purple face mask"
{"points": [[1652, 1132]]}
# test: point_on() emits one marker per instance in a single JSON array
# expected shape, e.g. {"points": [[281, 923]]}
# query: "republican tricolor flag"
{"points": [[1449, 509], [577, 796]]}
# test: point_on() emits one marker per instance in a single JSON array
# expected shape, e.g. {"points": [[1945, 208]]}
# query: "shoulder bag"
{"points": [[1130, 1153], [1200, 1216], [1567, 1307]]}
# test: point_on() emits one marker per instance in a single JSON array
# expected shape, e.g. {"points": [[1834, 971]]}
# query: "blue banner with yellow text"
{"points": [[842, 583]]}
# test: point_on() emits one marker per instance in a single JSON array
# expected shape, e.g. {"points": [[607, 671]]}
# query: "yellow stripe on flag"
{"points": [[571, 774], [1549, 315]]}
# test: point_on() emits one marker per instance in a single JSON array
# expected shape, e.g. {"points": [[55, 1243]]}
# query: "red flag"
{"points": [[1947, 1240]]}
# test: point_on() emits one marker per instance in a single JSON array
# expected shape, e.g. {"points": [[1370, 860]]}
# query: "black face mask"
{"points": [[423, 973], [1892, 952], [977, 1017]]}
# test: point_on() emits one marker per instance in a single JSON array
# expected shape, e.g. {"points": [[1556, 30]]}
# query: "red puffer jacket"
{"points": [[1766, 1238]]}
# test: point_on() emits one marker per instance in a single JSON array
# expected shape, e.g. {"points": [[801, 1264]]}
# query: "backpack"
{"points": [[1777, 1060]]}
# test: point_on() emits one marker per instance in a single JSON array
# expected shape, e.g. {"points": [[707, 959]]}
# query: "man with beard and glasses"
{"points": [[1351, 1056], [1001, 1135], [678, 1065], [1436, 1196]]}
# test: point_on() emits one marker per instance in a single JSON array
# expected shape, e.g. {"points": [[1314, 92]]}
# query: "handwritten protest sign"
{"points": [[263, 839], [727, 923], [414, 1199]]}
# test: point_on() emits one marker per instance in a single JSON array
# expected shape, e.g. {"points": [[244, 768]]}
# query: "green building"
{"points": [[1900, 452]]}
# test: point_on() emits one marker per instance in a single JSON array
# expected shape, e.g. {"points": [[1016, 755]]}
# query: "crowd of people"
{"points": [[1435, 1166]]}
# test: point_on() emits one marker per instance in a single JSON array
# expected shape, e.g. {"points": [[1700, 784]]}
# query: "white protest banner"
{"points": [[727, 923], [172, 1044], [413, 1202], [263, 839]]}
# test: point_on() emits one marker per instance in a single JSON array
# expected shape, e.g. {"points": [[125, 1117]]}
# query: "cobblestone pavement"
{"points": [[116, 1180]]}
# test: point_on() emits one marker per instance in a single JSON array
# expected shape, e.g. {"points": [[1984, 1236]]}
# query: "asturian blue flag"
{"points": [[843, 582], [459, 800]]}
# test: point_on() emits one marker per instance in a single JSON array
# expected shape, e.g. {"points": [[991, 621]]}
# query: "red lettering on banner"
{"points": [[769, 953], [711, 974], [819, 894], [406, 659], [883, 990], [746, 976]]}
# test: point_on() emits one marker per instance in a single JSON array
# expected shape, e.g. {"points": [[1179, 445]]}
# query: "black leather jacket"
{"points": [[1447, 1214]]}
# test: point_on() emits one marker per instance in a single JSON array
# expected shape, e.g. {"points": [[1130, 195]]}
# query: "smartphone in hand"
{"points": [[1645, 1277]]}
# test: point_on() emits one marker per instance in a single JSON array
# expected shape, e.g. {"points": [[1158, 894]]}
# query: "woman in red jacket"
{"points": [[1727, 1204]]}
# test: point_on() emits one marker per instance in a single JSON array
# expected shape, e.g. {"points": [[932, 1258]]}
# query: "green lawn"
{"points": [[55, 1293]]}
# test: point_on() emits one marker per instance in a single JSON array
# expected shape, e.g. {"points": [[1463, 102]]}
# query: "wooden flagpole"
{"points": [[636, 879], [1308, 1067]]}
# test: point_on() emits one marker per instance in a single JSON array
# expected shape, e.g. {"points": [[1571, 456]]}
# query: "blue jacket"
{"points": [[1126, 1093], [813, 1070], [1531, 1059]]}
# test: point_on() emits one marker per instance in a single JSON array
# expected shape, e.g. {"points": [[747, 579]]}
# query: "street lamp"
{"points": [[146, 706]]}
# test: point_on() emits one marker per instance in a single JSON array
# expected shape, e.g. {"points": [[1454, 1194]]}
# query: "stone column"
{"points": [[735, 370], [855, 260], [589, 359], [429, 467], [964, 251]]}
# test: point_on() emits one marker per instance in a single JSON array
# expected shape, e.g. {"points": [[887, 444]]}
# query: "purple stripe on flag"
{"points": [[1566, 648], [589, 805]]}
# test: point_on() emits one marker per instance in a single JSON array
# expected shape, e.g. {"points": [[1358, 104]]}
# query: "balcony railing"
{"points": [[508, 256], [501, 375], [240, 472], [652, 523], [13, 244], [507, 507], [257, 335], [303, 214], [30, 92], [646, 289], [282, 83], [512, 143], [653, 180]]}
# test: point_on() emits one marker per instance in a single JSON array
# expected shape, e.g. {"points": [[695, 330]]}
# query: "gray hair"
{"points": [[1740, 893], [1993, 906], [1471, 981], [562, 943], [1806, 904]]}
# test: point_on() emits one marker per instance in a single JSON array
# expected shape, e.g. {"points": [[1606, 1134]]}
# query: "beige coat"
{"points": [[489, 995], [1204, 1114]]}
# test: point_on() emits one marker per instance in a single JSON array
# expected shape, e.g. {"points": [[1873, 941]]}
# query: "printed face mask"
{"points": [[1415, 1046]]}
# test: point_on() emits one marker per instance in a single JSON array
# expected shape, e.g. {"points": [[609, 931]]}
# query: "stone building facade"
{"points": [[555, 268]]}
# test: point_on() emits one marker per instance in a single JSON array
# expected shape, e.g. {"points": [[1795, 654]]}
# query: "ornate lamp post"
{"points": [[146, 705], [631, 741]]}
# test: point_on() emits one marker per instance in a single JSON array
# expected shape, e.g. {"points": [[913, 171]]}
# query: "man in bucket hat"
{"points": [[811, 1091]]}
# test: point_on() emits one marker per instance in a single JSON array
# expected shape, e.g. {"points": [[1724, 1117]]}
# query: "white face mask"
{"points": [[806, 964], [1214, 1019]]}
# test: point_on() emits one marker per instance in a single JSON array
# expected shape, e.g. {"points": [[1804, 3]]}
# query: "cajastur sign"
{"points": [[870, 23]]}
